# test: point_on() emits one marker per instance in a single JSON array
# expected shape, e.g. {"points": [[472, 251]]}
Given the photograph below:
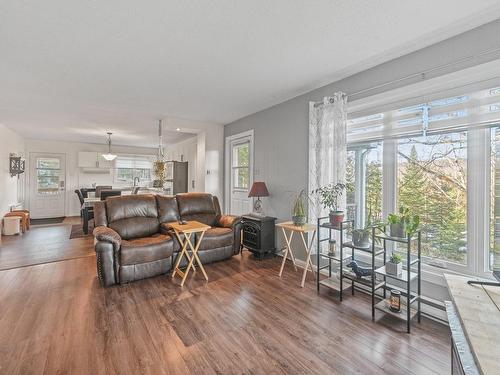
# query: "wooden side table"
{"points": [[188, 229], [291, 229]]}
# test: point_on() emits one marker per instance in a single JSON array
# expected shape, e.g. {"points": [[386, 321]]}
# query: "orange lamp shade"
{"points": [[258, 189]]}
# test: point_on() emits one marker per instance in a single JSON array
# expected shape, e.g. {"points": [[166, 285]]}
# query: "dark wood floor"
{"points": [[43, 244], [56, 319]]}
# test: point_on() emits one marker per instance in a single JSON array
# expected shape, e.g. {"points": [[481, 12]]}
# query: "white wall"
{"points": [[10, 189], [75, 177]]}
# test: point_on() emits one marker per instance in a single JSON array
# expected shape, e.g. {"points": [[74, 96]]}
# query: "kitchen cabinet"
{"points": [[93, 160]]}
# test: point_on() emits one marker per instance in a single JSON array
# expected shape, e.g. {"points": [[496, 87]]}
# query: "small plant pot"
{"points": [[336, 217], [394, 269], [398, 230], [361, 238], [299, 221]]}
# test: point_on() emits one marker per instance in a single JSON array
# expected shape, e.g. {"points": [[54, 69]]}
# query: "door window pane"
{"points": [[48, 174], [432, 183], [241, 166]]}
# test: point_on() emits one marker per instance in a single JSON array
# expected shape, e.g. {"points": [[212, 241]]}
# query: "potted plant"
{"points": [[329, 197], [403, 223], [361, 236], [394, 266], [299, 209]]}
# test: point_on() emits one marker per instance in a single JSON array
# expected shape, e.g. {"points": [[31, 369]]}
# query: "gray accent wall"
{"points": [[281, 131]]}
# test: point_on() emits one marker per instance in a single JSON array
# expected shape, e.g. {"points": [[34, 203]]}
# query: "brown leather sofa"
{"points": [[133, 240]]}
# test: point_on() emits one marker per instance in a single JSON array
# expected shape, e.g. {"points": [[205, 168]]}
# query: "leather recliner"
{"points": [[133, 240]]}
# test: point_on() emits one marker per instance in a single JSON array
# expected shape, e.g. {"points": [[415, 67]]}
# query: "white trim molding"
{"points": [[227, 160]]}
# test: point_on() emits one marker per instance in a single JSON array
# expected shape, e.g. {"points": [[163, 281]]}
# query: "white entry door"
{"points": [[47, 185], [239, 173]]}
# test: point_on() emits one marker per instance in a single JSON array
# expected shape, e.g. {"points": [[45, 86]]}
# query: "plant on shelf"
{"points": [[394, 266], [329, 197], [361, 236], [403, 223], [299, 209]]}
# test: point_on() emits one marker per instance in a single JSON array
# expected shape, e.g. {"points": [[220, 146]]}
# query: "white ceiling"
{"points": [[72, 69]]}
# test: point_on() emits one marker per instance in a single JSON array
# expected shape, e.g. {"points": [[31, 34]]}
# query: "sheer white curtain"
{"points": [[327, 147]]}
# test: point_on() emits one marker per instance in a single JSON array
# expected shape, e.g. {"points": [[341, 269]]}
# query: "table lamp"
{"points": [[258, 190]]}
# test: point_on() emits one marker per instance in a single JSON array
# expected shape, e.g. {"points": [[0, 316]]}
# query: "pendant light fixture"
{"points": [[161, 151], [109, 156]]}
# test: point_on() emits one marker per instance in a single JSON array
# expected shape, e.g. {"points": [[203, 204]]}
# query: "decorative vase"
{"points": [[398, 230], [336, 217], [361, 238], [299, 221], [394, 269]]}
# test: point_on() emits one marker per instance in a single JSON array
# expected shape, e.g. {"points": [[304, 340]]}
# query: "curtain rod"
{"points": [[421, 74]]}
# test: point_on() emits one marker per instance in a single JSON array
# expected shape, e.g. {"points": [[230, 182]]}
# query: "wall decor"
{"points": [[16, 165]]}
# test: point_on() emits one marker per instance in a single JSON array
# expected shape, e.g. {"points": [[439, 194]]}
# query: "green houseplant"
{"points": [[403, 223], [299, 209], [395, 265], [361, 236], [329, 196]]}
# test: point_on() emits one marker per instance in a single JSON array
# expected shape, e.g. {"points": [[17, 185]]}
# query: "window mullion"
{"points": [[478, 199]]}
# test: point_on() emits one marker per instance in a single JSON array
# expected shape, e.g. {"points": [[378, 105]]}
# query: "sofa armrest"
{"points": [[227, 221], [166, 228], [105, 234], [105, 256]]}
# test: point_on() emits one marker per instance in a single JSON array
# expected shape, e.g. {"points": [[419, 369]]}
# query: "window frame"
{"points": [[134, 169], [238, 167], [478, 200]]}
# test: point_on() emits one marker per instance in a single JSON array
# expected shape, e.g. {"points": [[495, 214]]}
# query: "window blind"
{"points": [[461, 112], [134, 162]]}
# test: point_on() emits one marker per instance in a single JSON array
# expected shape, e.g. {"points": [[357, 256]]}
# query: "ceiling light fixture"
{"points": [[178, 129], [109, 156], [161, 151]]}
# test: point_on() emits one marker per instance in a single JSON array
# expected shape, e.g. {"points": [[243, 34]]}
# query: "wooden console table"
{"points": [[478, 310]]}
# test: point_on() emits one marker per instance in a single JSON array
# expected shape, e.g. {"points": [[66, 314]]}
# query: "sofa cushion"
{"points": [[167, 208], [133, 216], [146, 249], [197, 206], [215, 238]]}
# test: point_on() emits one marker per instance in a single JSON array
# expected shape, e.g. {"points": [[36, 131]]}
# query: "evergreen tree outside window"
{"points": [[432, 183]]}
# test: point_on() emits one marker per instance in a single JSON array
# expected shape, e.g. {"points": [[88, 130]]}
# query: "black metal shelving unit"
{"points": [[347, 252], [407, 277], [331, 282], [369, 282]]}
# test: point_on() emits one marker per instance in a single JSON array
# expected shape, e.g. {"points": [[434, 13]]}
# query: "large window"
{"points": [[432, 182], [130, 167], [433, 157]]}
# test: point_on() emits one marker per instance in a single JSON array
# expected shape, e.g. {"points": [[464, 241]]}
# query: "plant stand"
{"points": [[347, 251], [408, 275], [332, 282]]}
